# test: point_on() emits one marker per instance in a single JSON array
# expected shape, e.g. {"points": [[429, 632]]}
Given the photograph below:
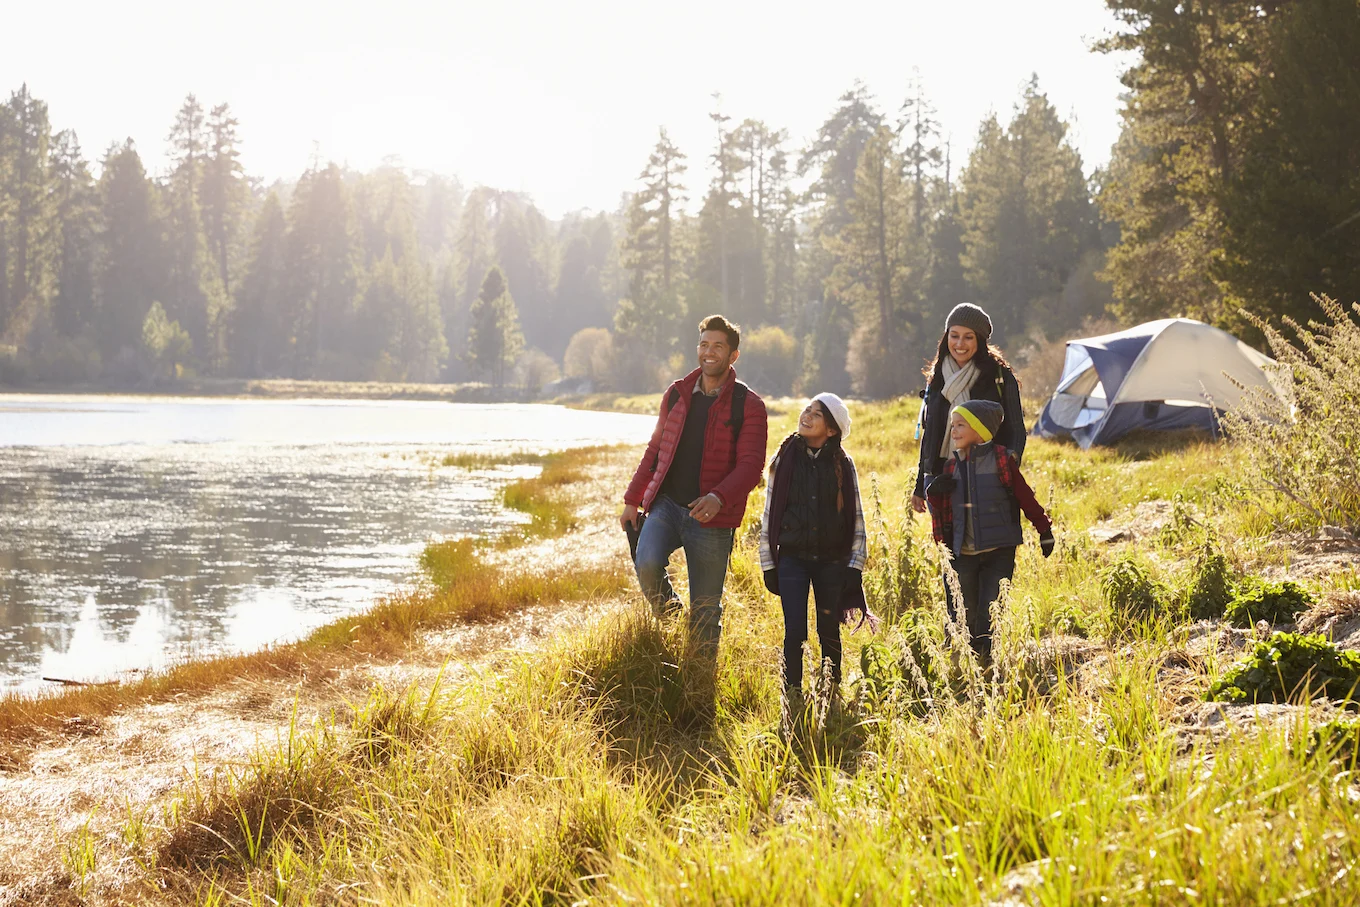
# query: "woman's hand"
{"points": [[918, 503]]}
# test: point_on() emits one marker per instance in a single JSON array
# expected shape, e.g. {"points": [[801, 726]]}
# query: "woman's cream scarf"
{"points": [[958, 381]]}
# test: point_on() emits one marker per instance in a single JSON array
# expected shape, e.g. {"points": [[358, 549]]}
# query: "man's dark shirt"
{"points": [[682, 479]]}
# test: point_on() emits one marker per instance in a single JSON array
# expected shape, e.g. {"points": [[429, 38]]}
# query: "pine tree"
{"points": [[780, 216], [440, 199], [733, 226], [195, 294], [76, 211], [471, 258], [1188, 97], [921, 155], [323, 259], [832, 158], [494, 338], [1291, 208], [1026, 213], [646, 322], [873, 255], [580, 301], [523, 254], [262, 324], [132, 265], [28, 253], [224, 195]]}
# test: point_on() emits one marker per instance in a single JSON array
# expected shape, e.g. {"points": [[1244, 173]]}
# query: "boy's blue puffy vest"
{"points": [[996, 514]]}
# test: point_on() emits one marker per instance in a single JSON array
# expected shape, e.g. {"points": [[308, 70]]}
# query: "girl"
{"points": [[966, 368], [812, 534]]}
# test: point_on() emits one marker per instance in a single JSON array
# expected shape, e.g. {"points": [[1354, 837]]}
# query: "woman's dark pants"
{"points": [[980, 577], [826, 579]]}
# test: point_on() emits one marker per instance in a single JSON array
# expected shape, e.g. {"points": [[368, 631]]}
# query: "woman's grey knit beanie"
{"points": [[967, 315]]}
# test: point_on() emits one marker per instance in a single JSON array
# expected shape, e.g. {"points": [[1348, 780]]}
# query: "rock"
{"points": [[1108, 536]]}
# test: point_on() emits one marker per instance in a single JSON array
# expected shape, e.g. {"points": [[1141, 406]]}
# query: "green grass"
{"points": [[615, 767], [472, 460]]}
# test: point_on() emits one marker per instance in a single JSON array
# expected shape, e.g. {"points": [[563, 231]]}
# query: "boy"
{"points": [[975, 509]]}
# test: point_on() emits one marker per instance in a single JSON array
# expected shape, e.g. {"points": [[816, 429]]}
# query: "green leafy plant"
{"points": [[1335, 741], [1275, 601], [1134, 595], [1212, 583], [1287, 665]]}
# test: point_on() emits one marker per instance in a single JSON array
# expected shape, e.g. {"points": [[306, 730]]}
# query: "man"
{"points": [[694, 478]]}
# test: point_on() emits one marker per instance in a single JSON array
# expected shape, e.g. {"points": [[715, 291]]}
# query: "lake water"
{"points": [[138, 530]]}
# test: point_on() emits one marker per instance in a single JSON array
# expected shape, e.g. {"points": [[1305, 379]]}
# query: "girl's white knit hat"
{"points": [[838, 410]]}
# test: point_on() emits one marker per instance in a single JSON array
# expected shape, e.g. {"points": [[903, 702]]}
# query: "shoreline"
{"points": [[287, 389], [24, 713]]}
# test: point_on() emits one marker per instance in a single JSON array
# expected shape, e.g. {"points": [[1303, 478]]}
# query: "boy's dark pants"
{"points": [[980, 577], [826, 579]]}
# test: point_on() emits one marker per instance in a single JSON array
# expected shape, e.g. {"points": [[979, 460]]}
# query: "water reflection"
{"points": [[269, 522]]}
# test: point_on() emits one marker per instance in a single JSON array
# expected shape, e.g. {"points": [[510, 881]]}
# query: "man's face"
{"points": [[716, 355]]}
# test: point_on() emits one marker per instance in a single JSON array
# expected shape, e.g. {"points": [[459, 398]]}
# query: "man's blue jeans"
{"points": [[707, 549]]}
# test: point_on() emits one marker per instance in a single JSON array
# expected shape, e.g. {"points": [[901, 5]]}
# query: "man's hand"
{"points": [[918, 503], [629, 517], [705, 508]]}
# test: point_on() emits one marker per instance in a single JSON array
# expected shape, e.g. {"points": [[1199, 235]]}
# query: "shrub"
{"points": [[1276, 602], [1335, 741], [1211, 584], [588, 354], [1305, 441], [769, 360], [1135, 597], [1288, 664]]}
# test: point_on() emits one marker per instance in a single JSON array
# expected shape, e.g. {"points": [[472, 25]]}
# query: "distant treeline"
{"points": [[1236, 182]]}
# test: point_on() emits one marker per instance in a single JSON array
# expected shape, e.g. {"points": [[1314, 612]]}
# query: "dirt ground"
{"points": [[98, 772]]}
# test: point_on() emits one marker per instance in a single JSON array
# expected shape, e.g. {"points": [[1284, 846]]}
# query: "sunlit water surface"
{"points": [[135, 531]]}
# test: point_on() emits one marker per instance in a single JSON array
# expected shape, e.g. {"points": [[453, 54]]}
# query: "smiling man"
{"points": [[705, 456]]}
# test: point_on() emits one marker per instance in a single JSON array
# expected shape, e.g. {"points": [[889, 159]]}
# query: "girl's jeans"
{"points": [[980, 577], [669, 526], [826, 579]]}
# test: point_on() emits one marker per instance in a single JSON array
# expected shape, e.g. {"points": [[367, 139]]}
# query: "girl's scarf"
{"points": [[958, 381]]}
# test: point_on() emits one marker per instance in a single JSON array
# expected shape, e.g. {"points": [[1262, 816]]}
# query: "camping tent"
{"points": [[1161, 375]]}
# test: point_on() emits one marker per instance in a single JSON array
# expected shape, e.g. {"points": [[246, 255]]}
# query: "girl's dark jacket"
{"points": [[850, 548], [995, 382]]}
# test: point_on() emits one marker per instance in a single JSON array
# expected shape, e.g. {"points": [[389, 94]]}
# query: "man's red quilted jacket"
{"points": [[730, 467]]}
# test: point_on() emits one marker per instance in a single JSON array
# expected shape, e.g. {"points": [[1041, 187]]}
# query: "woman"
{"points": [[966, 368], [812, 535]]}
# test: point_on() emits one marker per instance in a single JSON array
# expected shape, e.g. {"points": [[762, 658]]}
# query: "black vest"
{"points": [[812, 528]]}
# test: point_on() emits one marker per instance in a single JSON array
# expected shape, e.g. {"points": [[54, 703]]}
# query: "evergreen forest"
{"points": [[1235, 185]]}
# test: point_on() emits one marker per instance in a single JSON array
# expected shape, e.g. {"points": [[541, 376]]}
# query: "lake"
{"points": [[134, 531]]}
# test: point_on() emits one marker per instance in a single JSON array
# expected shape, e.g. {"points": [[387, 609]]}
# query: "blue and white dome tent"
{"points": [[1162, 375]]}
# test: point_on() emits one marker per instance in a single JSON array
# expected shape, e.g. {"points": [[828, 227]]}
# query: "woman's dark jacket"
{"points": [[995, 382]]}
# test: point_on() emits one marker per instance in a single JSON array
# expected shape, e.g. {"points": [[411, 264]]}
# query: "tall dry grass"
{"points": [[1304, 442]]}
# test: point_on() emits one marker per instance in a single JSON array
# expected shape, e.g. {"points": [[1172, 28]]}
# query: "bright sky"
{"points": [[561, 100]]}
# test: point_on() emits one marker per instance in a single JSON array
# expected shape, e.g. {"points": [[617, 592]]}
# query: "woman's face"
{"points": [[963, 344]]}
